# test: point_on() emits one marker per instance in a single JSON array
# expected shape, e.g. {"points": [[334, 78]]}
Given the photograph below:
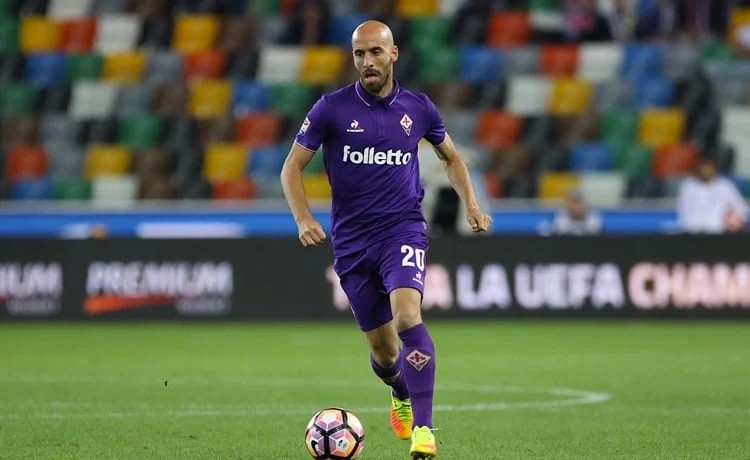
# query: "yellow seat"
{"points": [[195, 32], [125, 67], [416, 8], [39, 34], [209, 98], [556, 186], [107, 160], [570, 96], [317, 186], [321, 65], [661, 127], [738, 24], [224, 162]]}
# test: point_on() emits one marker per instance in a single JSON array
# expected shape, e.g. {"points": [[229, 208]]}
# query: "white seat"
{"points": [[279, 64], [528, 95], [117, 32], [599, 62], [735, 132], [603, 189], [114, 190], [69, 9], [92, 99]]}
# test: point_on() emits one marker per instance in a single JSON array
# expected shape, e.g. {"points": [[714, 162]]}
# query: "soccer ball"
{"points": [[334, 434]]}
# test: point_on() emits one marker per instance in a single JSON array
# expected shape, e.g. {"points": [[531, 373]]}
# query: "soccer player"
{"points": [[369, 132]]}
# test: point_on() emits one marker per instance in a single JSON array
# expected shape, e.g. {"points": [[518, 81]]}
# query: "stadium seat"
{"points": [[509, 29], [603, 189], [92, 100], [195, 33], [134, 99], [735, 132], [217, 130], [462, 125], [107, 159], [205, 64], [65, 159], [438, 65], [224, 162], [426, 30], [559, 60], [674, 160], [715, 51], [242, 188], [498, 129], [9, 30], [139, 131], [59, 128], [209, 98], [592, 156], [17, 99], [117, 33], [84, 67], [599, 62], [416, 8], [321, 65], [78, 35], [170, 99], [317, 187], [570, 96], [258, 129], [521, 61], [152, 161], [508, 162], [45, 69], [23, 130], [69, 9], [292, 100], [155, 187], [39, 35], [250, 96], [681, 60], [342, 27], [660, 127], [237, 35], [279, 64], [578, 129], [556, 186], [33, 189], [655, 92], [450, 94], [633, 160], [124, 67], [479, 64], [619, 125], [71, 188], [26, 162], [267, 161], [117, 190], [164, 66], [739, 21], [528, 95], [641, 60]]}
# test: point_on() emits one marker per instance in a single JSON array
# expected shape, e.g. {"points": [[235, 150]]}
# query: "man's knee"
{"points": [[406, 305], [386, 354]]}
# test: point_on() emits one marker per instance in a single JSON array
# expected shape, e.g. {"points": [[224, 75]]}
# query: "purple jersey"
{"points": [[370, 156]]}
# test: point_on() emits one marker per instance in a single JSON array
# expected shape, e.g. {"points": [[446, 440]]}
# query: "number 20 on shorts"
{"points": [[413, 257]]}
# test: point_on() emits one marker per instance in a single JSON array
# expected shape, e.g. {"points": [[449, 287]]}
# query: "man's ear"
{"points": [[394, 54]]}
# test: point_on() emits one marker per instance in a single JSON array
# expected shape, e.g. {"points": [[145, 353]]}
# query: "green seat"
{"points": [[437, 63], [17, 99], [8, 34], [619, 125], [716, 51], [6, 8], [428, 31], [84, 67], [139, 131], [549, 5], [316, 163], [72, 188], [293, 100], [632, 159], [266, 8]]}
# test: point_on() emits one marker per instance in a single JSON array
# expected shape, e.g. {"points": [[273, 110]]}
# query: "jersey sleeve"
{"points": [[435, 134], [314, 128]]}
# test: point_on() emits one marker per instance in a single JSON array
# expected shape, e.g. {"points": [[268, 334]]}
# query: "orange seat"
{"points": [[416, 8], [107, 160], [258, 129], [321, 65], [78, 35], [224, 162], [26, 162], [660, 127], [39, 34], [236, 189], [195, 32], [509, 29], [124, 67], [209, 98], [559, 60], [493, 184], [556, 186], [205, 64], [674, 160], [498, 129]]}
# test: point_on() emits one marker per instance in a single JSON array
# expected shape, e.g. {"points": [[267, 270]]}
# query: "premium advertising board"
{"points": [[276, 279]]}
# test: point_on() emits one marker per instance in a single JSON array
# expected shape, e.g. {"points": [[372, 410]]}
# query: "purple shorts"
{"points": [[368, 276]]}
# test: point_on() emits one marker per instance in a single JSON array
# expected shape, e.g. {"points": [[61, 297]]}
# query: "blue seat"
{"points": [[592, 156], [340, 32], [642, 60], [250, 96], [46, 69], [37, 189], [266, 161], [479, 64], [654, 92]]}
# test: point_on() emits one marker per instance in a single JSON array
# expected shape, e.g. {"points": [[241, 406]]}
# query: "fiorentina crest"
{"points": [[417, 359], [406, 124]]}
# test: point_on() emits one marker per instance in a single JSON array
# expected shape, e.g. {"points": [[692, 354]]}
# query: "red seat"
{"points": [[559, 60], [258, 129], [205, 64], [509, 29], [674, 160], [237, 189], [26, 162], [498, 129], [78, 35]]}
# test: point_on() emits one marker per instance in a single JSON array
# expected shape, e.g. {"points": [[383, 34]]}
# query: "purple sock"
{"points": [[392, 376], [419, 368]]}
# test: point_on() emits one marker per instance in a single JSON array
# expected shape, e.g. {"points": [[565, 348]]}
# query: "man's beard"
{"points": [[375, 88]]}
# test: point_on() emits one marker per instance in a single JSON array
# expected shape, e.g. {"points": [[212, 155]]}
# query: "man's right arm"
{"points": [[310, 231]]}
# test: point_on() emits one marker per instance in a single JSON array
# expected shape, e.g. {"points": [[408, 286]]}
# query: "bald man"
{"points": [[369, 133]]}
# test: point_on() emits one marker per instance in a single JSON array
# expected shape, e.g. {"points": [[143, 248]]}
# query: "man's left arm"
{"points": [[458, 174]]}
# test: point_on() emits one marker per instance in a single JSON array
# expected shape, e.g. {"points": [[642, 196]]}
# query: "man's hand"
{"points": [[479, 221], [310, 232]]}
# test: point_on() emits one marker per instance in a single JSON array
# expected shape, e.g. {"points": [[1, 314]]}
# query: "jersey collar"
{"points": [[371, 100]]}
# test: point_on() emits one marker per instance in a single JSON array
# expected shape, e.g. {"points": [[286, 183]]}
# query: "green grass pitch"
{"points": [[546, 390]]}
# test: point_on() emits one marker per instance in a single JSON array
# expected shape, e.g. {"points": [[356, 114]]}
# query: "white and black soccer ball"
{"points": [[334, 434]]}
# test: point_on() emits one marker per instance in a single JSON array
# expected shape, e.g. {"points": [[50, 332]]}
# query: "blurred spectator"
{"points": [[659, 19], [622, 16], [583, 23], [700, 18], [308, 23], [575, 219], [708, 203]]}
